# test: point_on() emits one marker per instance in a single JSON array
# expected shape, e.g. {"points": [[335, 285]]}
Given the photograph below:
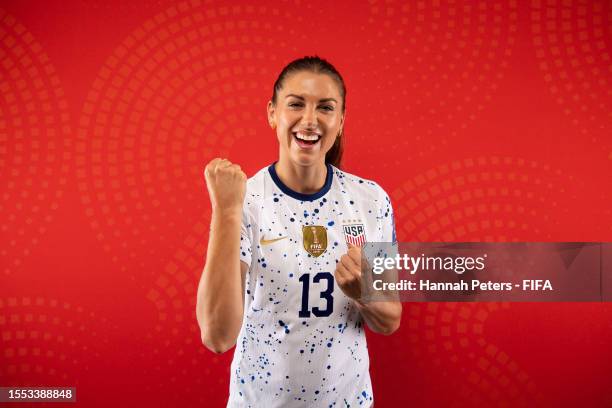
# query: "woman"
{"points": [[282, 277]]}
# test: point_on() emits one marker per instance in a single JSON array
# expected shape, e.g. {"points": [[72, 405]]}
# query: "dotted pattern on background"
{"points": [[169, 77], [174, 293], [37, 340], [35, 151], [570, 42], [439, 205], [446, 62], [450, 333], [443, 202]]}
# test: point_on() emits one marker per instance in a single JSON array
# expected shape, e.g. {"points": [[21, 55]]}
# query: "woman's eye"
{"points": [[326, 107]]}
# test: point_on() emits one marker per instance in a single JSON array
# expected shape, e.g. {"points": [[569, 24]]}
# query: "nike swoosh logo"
{"points": [[263, 241]]}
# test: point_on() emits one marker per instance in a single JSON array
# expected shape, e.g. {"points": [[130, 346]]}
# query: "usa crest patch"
{"points": [[354, 234]]}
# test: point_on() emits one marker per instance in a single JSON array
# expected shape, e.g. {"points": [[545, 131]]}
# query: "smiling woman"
{"points": [[282, 277], [307, 110]]}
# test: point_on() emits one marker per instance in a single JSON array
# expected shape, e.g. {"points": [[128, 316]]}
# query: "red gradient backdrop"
{"points": [[484, 120]]}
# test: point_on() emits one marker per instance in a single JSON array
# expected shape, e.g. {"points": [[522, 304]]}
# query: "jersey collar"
{"points": [[301, 196]]}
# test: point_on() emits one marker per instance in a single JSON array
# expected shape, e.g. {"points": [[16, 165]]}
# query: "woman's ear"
{"points": [[271, 120]]}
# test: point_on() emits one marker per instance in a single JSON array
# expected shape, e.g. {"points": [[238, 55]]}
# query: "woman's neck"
{"points": [[302, 179]]}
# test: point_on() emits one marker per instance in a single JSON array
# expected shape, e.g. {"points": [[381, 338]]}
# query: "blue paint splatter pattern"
{"points": [[320, 359]]}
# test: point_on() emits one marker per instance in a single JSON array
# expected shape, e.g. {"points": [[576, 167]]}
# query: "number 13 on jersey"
{"points": [[324, 279]]}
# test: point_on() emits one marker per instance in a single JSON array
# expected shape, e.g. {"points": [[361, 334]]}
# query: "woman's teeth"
{"points": [[308, 138]]}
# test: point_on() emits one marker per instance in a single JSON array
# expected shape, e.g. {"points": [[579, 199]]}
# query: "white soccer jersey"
{"points": [[302, 342]]}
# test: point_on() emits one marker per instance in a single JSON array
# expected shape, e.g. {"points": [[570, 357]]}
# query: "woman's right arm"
{"points": [[219, 307]]}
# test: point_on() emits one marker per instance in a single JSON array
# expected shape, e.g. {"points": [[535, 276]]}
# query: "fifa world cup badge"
{"points": [[314, 239]]}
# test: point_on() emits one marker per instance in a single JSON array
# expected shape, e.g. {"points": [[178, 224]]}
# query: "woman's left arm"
{"points": [[382, 317]]}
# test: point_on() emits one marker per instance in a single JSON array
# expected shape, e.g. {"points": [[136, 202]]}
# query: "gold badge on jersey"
{"points": [[314, 239]]}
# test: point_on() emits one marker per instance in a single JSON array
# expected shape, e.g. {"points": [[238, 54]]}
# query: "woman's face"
{"points": [[307, 117]]}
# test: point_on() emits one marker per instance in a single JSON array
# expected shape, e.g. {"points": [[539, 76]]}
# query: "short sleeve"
{"points": [[246, 237], [387, 219], [387, 247]]}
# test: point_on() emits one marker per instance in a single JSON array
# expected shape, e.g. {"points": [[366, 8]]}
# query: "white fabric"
{"points": [[282, 359]]}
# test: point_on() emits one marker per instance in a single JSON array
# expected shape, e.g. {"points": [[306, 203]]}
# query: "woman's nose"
{"points": [[310, 116]]}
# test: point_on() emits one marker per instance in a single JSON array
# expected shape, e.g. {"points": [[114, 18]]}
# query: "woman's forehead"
{"points": [[309, 84]]}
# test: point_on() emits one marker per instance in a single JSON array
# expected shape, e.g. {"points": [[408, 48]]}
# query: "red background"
{"points": [[484, 120]]}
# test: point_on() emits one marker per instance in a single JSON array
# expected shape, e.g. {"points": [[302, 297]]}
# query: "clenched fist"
{"points": [[226, 184], [348, 272]]}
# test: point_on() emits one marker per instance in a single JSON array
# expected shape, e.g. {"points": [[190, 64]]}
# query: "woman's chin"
{"points": [[305, 157], [304, 161]]}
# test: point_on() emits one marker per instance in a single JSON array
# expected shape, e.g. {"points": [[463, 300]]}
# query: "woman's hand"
{"points": [[348, 272], [226, 183], [382, 316]]}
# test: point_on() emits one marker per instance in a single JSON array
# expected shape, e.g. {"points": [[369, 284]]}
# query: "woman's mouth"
{"points": [[306, 140]]}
